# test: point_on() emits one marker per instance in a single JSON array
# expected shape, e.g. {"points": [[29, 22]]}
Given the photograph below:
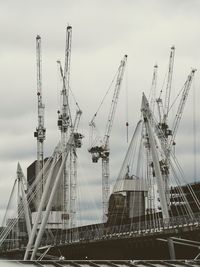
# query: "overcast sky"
{"points": [[103, 31]]}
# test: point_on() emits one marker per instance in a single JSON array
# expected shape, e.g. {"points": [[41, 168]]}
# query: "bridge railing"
{"points": [[101, 232], [139, 228]]}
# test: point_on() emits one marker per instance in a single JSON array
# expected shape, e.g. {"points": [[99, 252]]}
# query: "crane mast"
{"points": [[40, 130], [66, 127], [103, 151]]}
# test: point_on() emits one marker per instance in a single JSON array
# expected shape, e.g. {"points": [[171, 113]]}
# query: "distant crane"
{"points": [[64, 123], [163, 112], [103, 150], [40, 130], [177, 119], [66, 126], [167, 136]]}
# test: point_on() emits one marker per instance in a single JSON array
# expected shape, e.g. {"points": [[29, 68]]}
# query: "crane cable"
{"points": [[109, 88], [194, 132]]}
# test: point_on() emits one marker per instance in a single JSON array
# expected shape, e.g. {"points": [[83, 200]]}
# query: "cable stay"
{"points": [[141, 182]]}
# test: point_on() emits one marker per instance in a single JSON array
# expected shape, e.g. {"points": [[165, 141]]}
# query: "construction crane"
{"points": [[167, 136], [181, 106], [66, 126], [64, 117], [40, 130], [64, 123], [103, 150], [163, 110]]}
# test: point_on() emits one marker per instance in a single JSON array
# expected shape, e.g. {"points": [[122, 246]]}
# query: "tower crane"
{"points": [[167, 141], [64, 123], [163, 117], [181, 106], [103, 150], [164, 110], [40, 130], [64, 116], [66, 126]]}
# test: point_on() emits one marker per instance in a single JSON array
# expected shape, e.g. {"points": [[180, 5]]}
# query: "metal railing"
{"points": [[99, 232]]}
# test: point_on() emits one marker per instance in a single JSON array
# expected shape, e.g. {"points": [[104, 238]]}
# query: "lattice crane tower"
{"points": [[40, 130]]}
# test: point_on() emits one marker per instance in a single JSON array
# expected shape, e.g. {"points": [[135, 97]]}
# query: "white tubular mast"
{"points": [[159, 177], [51, 196], [40, 130], [20, 177]]}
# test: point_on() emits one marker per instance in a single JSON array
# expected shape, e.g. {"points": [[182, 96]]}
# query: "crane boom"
{"points": [[114, 101], [169, 84], [179, 113], [152, 96], [68, 55]]}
